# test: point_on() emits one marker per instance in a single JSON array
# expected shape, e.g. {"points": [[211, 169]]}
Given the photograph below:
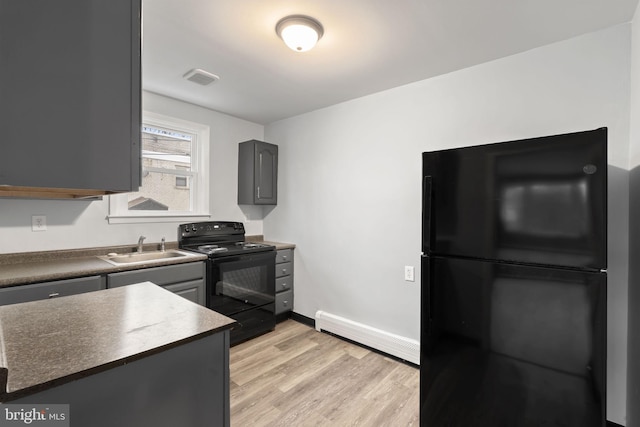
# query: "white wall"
{"points": [[350, 176], [80, 224]]}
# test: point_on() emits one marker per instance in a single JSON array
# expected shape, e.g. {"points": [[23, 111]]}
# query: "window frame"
{"points": [[198, 182]]}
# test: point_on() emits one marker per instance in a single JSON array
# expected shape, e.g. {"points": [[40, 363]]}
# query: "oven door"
{"points": [[239, 283]]}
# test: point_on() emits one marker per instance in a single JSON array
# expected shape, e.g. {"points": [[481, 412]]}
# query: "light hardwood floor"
{"points": [[296, 376]]}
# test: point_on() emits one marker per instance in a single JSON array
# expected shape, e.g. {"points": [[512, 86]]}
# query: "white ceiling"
{"points": [[368, 46]]}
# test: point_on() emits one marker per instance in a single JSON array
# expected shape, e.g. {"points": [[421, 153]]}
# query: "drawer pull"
{"points": [[285, 303], [284, 285], [284, 270], [53, 295], [284, 257]]}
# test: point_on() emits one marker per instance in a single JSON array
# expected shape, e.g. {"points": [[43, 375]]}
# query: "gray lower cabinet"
{"points": [[46, 290], [186, 385], [186, 280], [284, 281]]}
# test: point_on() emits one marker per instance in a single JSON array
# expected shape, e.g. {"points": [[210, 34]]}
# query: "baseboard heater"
{"points": [[395, 345]]}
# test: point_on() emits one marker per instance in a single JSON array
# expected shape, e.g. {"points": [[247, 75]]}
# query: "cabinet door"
{"points": [[193, 291], [284, 302], [46, 290], [70, 94], [266, 174]]}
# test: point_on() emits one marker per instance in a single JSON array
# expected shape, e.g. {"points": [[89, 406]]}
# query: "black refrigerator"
{"points": [[513, 296]]}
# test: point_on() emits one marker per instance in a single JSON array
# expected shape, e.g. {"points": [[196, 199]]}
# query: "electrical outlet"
{"points": [[409, 273], [38, 223]]}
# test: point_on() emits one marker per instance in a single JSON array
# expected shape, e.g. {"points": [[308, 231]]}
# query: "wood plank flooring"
{"points": [[296, 376]]}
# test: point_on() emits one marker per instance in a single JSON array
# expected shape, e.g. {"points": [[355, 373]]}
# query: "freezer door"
{"points": [[540, 201], [511, 345]]}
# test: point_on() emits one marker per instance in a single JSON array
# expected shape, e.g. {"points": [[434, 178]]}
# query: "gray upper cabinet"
{"points": [[257, 173], [70, 97]]}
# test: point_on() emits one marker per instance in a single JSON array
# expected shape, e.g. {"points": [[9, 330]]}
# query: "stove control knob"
{"points": [[193, 227], [186, 228]]}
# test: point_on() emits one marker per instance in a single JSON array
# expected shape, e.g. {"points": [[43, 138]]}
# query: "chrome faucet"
{"points": [[140, 240], [162, 244]]}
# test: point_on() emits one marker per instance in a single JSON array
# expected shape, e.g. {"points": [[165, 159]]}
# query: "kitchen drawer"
{"points": [[284, 255], [284, 269], [284, 283], [46, 290], [284, 302], [159, 275]]}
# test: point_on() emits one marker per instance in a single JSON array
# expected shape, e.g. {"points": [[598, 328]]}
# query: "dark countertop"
{"points": [[278, 245], [36, 267], [50, 342]]}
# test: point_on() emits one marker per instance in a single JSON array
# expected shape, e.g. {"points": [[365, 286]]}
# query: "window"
{"points": [[181, 182], [175, 177]]}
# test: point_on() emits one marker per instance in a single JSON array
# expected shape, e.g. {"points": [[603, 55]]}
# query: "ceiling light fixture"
{"points": [[299, 32]]}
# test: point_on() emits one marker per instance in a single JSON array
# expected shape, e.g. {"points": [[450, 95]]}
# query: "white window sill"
{"points": [[138, 219]]}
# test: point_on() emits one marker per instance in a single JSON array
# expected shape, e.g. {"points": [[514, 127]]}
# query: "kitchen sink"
{"points": [[144, 257]]}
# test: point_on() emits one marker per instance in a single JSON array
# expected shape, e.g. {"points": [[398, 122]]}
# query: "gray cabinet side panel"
{"points": [[136, 94], [246, 183]]}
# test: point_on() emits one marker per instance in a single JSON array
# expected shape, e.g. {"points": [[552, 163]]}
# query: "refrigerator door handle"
{"points": [[427, 310], [427, 212]]}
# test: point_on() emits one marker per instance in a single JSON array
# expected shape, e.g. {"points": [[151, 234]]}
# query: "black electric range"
{"points": [[240, 275]]}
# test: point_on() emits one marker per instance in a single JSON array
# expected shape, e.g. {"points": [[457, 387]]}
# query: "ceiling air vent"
{"points": [[201, 77]]}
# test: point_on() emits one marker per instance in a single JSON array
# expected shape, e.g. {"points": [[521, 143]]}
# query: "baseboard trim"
{"points": [[303, 319], [308, 321], [283, 316], [612, 424], [389, 343]]}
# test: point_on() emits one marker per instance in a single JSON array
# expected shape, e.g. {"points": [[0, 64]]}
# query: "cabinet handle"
{"points": [[53, 295], [284, 270], [284, 285], [285, 303]]}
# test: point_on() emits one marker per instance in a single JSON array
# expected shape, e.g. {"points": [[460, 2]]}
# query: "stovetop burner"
{"points": [[212, 249], [249, 245]]}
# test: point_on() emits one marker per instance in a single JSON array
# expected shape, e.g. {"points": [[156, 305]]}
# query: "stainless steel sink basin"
{"points": [[144, 257]]}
